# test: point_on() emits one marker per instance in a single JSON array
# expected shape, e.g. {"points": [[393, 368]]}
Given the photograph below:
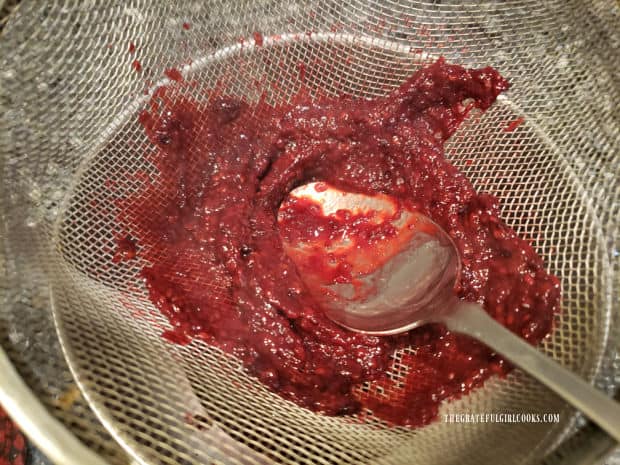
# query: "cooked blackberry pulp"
{"points": [[219, 272]]}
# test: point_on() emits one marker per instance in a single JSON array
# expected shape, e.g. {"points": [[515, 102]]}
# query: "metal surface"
{"points": [[69, 95], [31, 416]]}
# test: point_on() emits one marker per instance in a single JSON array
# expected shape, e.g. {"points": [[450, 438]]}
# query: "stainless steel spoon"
{"points": [[414, 286]]}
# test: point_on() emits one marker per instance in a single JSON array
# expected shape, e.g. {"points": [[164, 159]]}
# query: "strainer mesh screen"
{"points": [[70, 93]]}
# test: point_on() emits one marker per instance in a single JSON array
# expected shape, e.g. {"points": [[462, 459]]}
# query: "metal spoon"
{"points": [[413, 285]]}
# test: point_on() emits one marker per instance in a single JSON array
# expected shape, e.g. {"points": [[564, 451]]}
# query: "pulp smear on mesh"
{"points": [[208, 227], [13, 446]]}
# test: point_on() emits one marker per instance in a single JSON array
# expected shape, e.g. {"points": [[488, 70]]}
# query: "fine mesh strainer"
{"points": [[70, 94]]}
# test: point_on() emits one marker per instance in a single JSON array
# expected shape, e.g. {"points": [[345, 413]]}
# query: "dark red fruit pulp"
{"points": [[219, 270], [13, 448], [343, 246], [512, 125], [125, 249], [174, 74], [258, 39]]}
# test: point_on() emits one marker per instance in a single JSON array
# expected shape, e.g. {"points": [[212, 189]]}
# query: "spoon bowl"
{"points": [[401, 280]]}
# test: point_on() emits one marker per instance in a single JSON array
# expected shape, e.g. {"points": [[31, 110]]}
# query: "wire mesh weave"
{"points": [[69, 97]]}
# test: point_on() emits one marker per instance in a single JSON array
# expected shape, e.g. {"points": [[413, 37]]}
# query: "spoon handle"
{"points": [[472, 320]]}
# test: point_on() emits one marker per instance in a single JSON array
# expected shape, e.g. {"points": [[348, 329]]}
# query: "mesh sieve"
{"points": [[69, 97]]}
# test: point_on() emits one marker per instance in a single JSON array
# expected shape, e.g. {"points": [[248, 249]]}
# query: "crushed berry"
{"points": [[511, 126], [340, 247], [125, 249], [301, 68], [218, 269], [258, 39], [137, 66], [13, 447], [174, 74]]}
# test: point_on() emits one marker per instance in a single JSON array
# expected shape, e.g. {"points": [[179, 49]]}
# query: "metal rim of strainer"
{"points": [[24, 407]]}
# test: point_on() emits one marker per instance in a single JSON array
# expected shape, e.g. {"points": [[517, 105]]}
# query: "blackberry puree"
{"points": [[217, 268]]}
